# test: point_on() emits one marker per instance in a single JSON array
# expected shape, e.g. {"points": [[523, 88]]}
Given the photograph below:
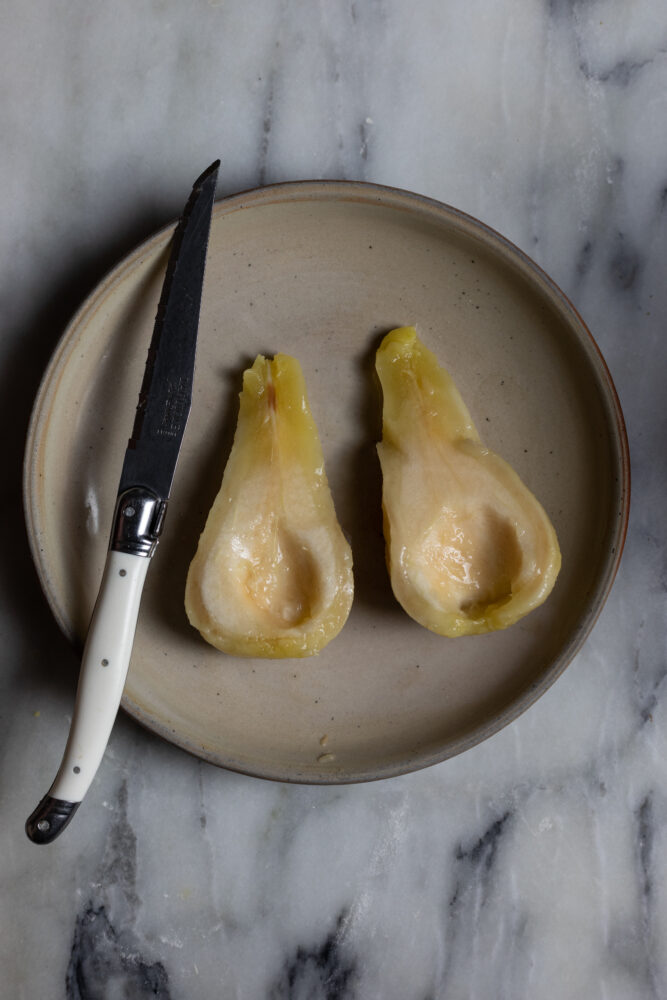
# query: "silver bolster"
{"points": [[137, 522]]}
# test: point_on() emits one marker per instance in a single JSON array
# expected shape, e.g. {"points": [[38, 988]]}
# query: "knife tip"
{"points": [[209, 175]]}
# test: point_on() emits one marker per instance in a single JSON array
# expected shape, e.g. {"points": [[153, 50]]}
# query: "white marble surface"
{"points": [[535, 865]]}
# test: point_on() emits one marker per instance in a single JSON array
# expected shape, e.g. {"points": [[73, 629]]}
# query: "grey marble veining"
{"points": [[535, 865]]}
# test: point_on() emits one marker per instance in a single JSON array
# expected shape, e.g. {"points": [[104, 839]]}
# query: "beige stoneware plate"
{"points": [[321, 270]]}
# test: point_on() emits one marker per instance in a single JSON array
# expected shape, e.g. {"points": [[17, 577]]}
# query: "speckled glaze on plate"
{"points": [[322, 270]]}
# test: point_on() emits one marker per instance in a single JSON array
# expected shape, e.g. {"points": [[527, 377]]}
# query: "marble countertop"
{"points": [[534, 865]]}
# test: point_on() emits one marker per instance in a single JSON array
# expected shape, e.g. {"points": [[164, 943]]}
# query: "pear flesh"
{"points": [[469, 548], [272, 576]]}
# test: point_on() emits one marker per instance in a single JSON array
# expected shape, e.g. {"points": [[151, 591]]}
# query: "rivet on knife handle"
{"points": [[145, 484]]}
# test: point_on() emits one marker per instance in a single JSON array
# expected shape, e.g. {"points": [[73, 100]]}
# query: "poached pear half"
{"points": [[272, 576], [469, 548]]}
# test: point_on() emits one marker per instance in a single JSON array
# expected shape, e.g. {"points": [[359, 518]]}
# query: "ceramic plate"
{"points": [[321, 270]]}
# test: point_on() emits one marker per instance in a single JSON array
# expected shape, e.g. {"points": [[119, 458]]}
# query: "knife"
{"points": [[143, 492]]}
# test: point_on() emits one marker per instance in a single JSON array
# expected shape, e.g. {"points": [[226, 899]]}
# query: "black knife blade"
{"points": [[166, 391]]}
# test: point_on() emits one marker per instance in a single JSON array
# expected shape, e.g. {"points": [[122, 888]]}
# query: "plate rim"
{"points": [[394, 197]]}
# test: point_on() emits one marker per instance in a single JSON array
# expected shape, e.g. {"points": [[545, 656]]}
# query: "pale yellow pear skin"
{"points": [[272, 576], [469, 548]]}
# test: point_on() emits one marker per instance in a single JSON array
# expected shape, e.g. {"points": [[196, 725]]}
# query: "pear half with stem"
{"points": [[469, 548], [272, 576]]}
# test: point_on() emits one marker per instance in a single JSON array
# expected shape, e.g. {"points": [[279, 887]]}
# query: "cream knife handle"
{"points": [[106, 658]]}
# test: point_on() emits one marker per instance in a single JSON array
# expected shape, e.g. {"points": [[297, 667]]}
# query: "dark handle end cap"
{"points": [[49, 819]]}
